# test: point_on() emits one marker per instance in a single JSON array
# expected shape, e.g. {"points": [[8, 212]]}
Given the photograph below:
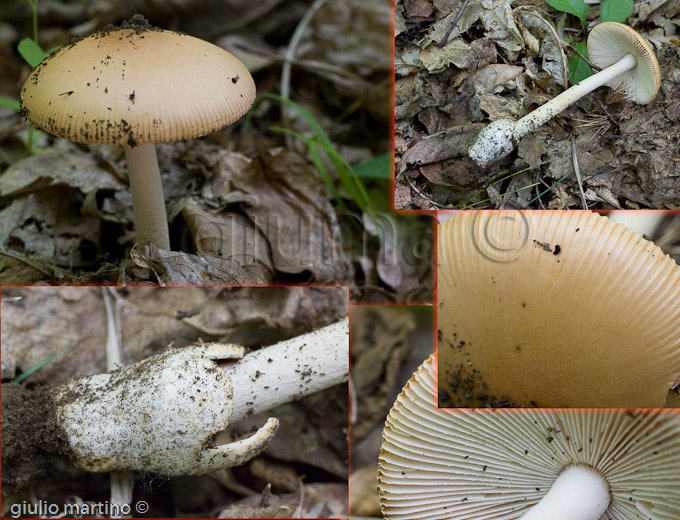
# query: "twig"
{"points": [[453, 24], [290, 54], [578, 173], [26, 262], [353, 413], [201, 328], [122, 482], [114, 356], [305, 63], [417, 190], [594, 67], [604, 109]]}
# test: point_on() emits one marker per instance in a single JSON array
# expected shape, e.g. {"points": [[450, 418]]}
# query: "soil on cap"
{"points": [[31, 436]]}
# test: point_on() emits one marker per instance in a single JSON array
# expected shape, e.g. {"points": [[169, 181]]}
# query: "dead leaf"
{"points": [[290, 206], [51, 168], [49, 225], [228, 237]]}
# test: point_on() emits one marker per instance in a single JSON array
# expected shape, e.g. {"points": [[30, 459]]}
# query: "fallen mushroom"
{"points": [[529, 464], [161, 415], [628, 64], [554, 309], [136, 85]]}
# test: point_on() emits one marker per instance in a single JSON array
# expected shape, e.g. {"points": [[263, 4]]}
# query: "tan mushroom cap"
{"points": [[554, 309], [137, 85], [608, 42], [497, 464]]}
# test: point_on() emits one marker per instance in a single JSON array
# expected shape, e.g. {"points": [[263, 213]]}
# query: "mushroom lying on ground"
{"points": [[526, 464], [136, 85], [554, 309], [161, 415], [628, 64]]}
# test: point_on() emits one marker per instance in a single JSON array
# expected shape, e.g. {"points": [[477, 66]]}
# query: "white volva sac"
{"points": [[158, 415], [161, 415]]}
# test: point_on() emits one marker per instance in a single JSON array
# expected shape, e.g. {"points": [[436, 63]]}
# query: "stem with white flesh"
{"points": [[500, 137], [148, 203], [578, 493], [289, 370], [545, 112]]}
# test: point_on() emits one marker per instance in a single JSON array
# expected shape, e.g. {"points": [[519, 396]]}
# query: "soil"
{"points": [[626, 153], [31, 436]]}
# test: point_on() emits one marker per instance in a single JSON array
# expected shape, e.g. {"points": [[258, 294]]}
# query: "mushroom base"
{"points": [[578, 493]]}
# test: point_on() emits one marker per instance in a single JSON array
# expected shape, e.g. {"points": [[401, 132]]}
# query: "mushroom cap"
{"points": [[136, 85], [554, 309], [608, 42], [488, 464]]}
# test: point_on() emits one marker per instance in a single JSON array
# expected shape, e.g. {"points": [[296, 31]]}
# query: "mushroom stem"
{"points": [[289, 370], [148, 203], [545, 112], [500, 137], [578, 493]]}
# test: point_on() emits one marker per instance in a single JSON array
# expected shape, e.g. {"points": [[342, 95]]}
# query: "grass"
{"points": [[25, 374], [350, 179]]}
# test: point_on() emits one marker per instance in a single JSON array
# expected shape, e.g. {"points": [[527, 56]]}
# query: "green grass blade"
{"points": [[6, 102], [313, 123], [342, 174], [33, 369], [462, 202], [548, 189], [380, 167], [346, 173], [502, 195]]}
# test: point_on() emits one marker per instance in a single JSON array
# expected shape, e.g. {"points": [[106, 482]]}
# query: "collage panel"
{"points": [[558, 309], [387, 344], [481, 464], [239, 304], [536, 105], [290, 181], [177, 402]]}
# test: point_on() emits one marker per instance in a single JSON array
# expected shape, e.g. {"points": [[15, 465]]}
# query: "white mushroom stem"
{"points": [[148, 203], [578, 493], [499, 138], [289, 370], [545, 112]]}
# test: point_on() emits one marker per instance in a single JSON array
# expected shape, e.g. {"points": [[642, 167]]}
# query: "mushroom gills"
{"points": [[579, 493]]}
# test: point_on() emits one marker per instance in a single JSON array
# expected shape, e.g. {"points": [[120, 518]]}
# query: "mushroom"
{"points": [[554, 309], [161, 414], [158, 415], [528, 464], [136, 85], [628, 64]]}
